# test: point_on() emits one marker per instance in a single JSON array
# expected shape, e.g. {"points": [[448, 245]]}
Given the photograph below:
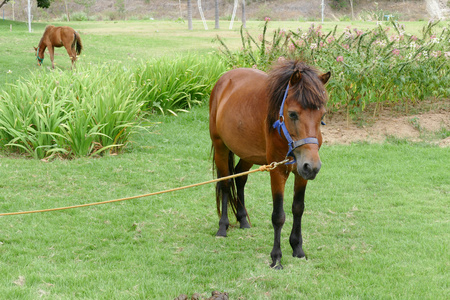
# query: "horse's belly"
{"points": [[243, 133]]}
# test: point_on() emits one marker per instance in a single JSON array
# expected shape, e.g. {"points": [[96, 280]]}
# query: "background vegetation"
{"points": [[404, 67], [376, 216], [96, 108], [47, 113]]}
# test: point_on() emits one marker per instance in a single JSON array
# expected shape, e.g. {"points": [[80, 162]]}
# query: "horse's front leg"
{"points": [[298, 206], [51, 50], [278, 181]]}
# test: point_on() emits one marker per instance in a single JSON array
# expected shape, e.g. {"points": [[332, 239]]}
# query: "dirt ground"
{"points": [[418, 127]]}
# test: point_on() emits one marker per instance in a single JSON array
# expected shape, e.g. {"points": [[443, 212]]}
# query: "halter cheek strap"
{"points": [[281, 126]]}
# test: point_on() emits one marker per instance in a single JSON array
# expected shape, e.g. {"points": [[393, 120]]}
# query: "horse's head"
{"points": [[300, 116], [39, 59]]}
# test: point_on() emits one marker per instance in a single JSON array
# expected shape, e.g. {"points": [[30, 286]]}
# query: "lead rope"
{"points": [[263, 168]]}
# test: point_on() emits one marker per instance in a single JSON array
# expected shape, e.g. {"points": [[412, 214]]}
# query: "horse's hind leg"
{"points": [[70, 48], [241, 213]]}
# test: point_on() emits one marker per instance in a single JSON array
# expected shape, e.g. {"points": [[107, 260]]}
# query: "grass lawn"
{"points": [[375, 226]]}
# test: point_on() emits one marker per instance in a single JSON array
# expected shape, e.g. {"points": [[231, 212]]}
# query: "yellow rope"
{"points": [[260, 169]]}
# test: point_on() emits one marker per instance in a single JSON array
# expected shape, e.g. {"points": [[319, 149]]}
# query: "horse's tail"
{"points": [[233, 199], [77, 42]]}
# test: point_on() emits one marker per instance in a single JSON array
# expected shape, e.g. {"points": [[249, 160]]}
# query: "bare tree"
{"points": [[67, 10], [234, 13], [351, 5], [200, 10], [216, 14], [189, 8], [3, 3], [244, 23]]}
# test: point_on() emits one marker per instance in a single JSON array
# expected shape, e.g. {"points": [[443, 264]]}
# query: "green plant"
{"points": [[79, 16], [381, 66], [175, 85], [256, 53], [78, 113]]}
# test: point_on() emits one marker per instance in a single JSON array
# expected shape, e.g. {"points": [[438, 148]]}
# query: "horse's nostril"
{"points": [[307, 167]]}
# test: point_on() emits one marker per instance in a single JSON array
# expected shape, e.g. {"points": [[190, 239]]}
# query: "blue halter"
{"points": [[280, 125]]}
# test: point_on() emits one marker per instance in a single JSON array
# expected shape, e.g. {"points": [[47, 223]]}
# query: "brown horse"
{"points": [[58, 37], [264, 118]]}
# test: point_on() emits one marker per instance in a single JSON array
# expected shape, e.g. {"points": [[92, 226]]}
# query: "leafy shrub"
{"points": [[169, 85], [383, 65], [96, 108], [78, 113], [79, 16]]}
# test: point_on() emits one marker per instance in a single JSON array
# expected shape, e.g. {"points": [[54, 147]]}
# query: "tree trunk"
{"points": [[3, 3], [67, 11], [244, 23], [351, 5], [234, 13], [216, 14], [189, 7], [200, 10]]}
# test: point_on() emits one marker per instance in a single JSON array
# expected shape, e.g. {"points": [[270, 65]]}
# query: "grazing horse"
{"points": [[58, 37], [264, 118]]}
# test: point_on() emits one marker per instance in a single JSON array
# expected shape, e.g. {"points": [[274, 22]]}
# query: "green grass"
{"points": [[375, 226]]}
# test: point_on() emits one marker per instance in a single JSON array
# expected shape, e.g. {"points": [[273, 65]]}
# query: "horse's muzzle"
{"points": [[309, 170]]}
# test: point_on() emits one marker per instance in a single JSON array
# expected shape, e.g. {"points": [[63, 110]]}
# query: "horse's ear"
{"points": [[295, 78], [325, 77]]}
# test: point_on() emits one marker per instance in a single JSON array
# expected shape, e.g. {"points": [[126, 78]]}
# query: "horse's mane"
{"points": [[309, 92]]}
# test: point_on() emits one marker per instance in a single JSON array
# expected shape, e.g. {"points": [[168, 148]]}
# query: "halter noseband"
{"points": [[40, 60], [280, 125]]}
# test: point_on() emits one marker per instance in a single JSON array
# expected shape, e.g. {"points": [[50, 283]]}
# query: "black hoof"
{"points": [[298, 253], [276, 266], [244, 224], [222, 232]]}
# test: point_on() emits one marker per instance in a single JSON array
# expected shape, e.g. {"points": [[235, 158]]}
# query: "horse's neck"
{"points": [[42, 46]]}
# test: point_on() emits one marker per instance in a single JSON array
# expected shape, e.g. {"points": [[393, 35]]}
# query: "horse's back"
{"points": [[58, 35], [238, 110]]}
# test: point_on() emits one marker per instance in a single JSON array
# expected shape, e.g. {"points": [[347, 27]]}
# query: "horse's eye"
{"points": [[293, 115]]}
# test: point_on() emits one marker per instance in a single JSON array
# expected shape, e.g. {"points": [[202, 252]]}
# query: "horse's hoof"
{"points": [[298, 253], [245, 224], [276, 266], [221, 233]]}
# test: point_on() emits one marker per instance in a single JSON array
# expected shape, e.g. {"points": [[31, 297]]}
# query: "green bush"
{"points": [[169, 85], [70, 114], [79, 16], [96, 108], [380, 66]]}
